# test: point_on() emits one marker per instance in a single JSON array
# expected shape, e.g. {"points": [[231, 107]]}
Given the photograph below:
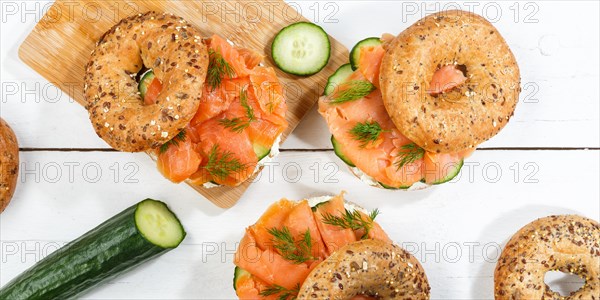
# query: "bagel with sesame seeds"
{"points": [[176, 53], [566, 243], [9, 164], [370, 268], [450, 81]]}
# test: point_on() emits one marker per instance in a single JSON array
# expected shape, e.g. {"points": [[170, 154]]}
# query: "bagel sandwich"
{"points": [[323, 247], [208, 111], [408, 109]]}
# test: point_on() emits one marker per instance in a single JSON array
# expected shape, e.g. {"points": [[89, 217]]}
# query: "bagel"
{"points": [[370, 267], [274, 258], [174, 50], [9, 164], [566, 243], [470, 107]]}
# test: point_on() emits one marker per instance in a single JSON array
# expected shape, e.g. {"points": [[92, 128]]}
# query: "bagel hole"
{"points": [[563, 283], [447, 78], [140, 73]]}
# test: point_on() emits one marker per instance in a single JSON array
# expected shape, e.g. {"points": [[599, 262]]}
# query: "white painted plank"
{"points": [[476, 209], [559, 64]]}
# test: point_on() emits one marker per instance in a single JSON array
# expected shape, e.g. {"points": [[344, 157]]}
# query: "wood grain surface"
{"points": [[60, 44]]}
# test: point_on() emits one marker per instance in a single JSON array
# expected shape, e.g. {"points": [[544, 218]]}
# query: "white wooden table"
{"points": [[546, 161]]}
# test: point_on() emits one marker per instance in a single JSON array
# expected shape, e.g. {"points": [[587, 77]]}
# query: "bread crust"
{"points": [[178, 56], [470, 113], [367, 267], [566, 243], [9, 164]]}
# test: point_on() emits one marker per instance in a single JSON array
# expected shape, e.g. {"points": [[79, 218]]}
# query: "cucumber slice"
{"points": [[261, 151], [130, 238], [314, 208], [301, 49], [451, 173], [158, 224], [385, 186], [339, 151], [355, 52], [339, 76], [238, 273], [145, 82]]}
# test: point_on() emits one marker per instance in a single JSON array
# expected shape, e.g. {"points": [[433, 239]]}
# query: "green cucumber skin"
{"points": [[337, 149], [103, 252], [354, 53], [336, 78], [282, 65], [387, 187], [451, 175]]}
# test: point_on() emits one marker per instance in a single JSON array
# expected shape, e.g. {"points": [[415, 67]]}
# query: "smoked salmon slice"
{"points": [[179, 161], [445, 79], [268, 265], [301, 219], [249, 287], [334, 237], [267, 89], [369, 63]]}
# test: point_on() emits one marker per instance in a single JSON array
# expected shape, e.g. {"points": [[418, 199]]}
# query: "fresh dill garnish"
{"points": [[352, 220], [409, 154], [356, 89], [284, 294], [239, 124], [222, 164], [367, 132], [180, 137], [218, 68], [296, 252]]}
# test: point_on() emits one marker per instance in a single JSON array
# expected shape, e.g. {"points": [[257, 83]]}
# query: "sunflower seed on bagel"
{"points": [[175, 51], [475, 107]]}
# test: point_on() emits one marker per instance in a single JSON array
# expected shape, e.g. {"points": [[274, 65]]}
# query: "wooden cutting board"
{"points": [[60, 45]]}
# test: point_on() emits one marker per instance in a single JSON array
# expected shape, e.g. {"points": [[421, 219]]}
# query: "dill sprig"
{"points": [[222, 164], [409, 154], [239, 124], [367, 132], [296, 252], [180, 137], [218, 68], [356, 89], [284, 293], [352, 220]]}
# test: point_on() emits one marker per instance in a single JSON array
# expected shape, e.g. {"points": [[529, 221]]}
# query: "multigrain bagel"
{"points": [[9, 164], [459, 115], [369, 267], [567, 243], [179, 58]]}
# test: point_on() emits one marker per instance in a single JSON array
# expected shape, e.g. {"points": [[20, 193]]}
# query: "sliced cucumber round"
{"points": [[339, 151], [158, 224], [238, 273], [339, 76], [355, 52], [261, 151], [301, 49], [451, 173], [145, 82]]}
